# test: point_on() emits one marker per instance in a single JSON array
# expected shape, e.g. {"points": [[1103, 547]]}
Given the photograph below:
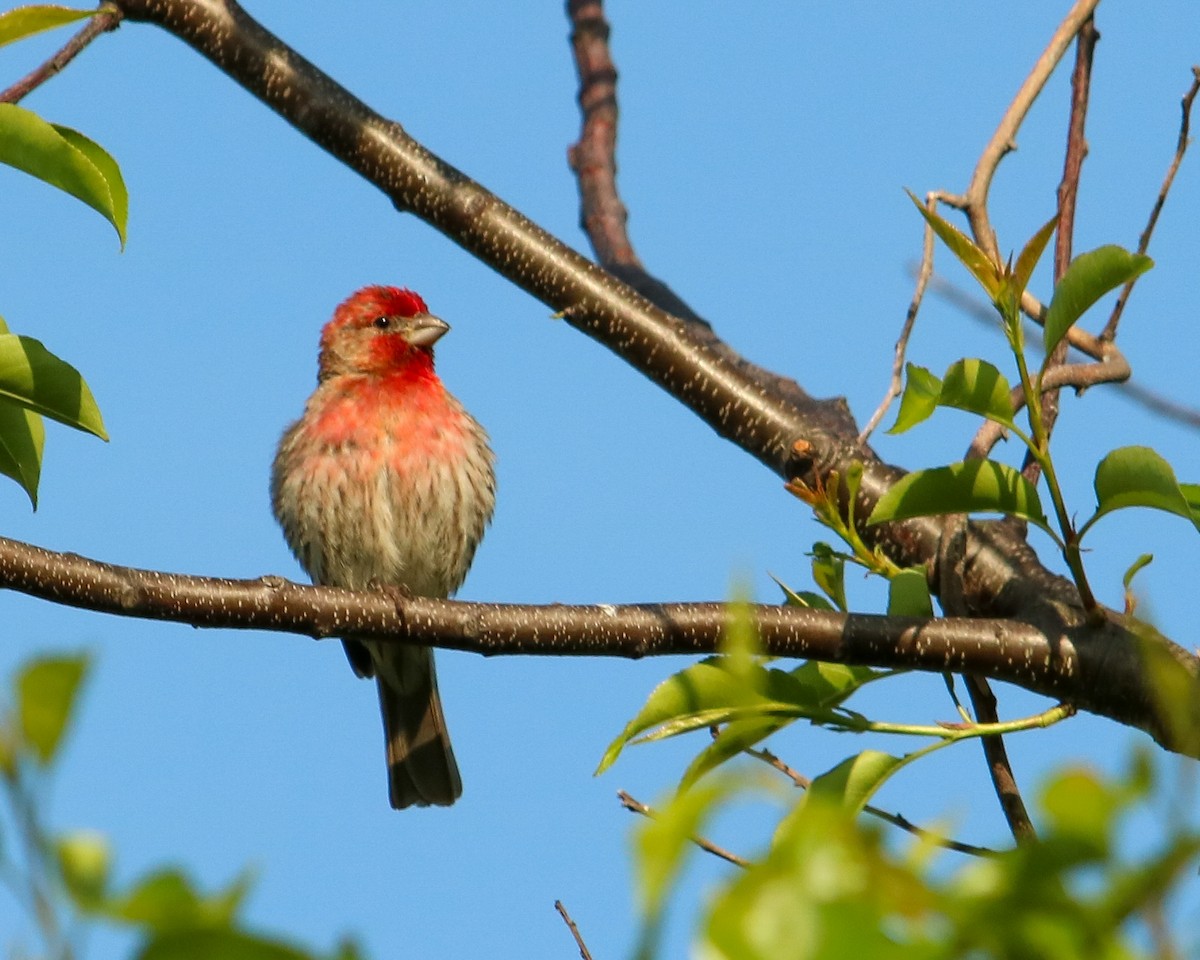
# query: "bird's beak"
{"points": [[426, 330]]}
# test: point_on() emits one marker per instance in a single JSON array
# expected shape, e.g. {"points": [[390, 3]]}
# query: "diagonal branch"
{"points": [[106, 18], [1110, 329]]}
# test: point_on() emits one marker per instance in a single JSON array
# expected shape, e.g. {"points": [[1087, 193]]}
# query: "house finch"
{"points": [[386, 481]]}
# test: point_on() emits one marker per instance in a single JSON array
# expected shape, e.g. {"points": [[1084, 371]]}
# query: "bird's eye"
{"points": [[383, 322]]}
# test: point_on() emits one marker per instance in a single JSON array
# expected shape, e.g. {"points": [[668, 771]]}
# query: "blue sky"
{"points": [[763, 152]]}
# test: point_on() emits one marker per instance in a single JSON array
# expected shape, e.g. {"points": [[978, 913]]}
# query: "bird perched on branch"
{"points": [[387, 481]]}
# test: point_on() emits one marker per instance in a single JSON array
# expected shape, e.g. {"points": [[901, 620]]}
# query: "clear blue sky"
{"points": [[764, 148]]}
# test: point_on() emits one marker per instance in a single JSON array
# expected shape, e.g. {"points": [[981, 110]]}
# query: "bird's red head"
{"points": [[380, 330]]}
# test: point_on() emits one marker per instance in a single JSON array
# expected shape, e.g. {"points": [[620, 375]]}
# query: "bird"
{"points": [[386, 482]]}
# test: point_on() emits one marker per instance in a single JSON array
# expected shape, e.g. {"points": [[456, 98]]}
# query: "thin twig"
{"points": [[584, 953], [896, 819], [895, 385], [636, 806], [1110, 329], [107, 18], [1068, 192]]}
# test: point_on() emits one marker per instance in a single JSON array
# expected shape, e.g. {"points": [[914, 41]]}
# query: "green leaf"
{"points": [[34, 378], [84, 862], [46, 691], [1029, 257], [212, 944], [920, 398], [734, 737], [820, 686], [697, 688], [802, 598], [826, 890], [908, 594], [713, 692], [26, 21], [963, 247], [1089, 277], [853, 782], [972, 486], [1143, 561], [978, 387], [1139, 477], [1174, 689], [829, 570], [56, 155], [103, 161], [22, 437], [809, 691], [166, 900]]}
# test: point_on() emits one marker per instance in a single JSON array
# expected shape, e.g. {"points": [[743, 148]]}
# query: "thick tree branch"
{"points": [[1083, 665]]}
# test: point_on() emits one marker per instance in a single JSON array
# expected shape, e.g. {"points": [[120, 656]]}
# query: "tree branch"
{"points": [[107, 18], [1088, 667]]}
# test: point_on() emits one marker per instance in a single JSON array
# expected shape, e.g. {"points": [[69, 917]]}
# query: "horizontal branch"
{"points": [[1070, 667]]}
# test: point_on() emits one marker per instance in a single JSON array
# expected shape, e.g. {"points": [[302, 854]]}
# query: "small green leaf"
{"points": [[1191, 493], [1174, 689], [1139, 477], [1029, 257], [920, 398], [734, 737], [1089, 277], [700, 687], [84, 862], [802, 598], [972, 486], [810, 691], [102, 160], [1143, 561], [963, 247], [167, 900], [22, 437], [34, 378], [55, 154], [853, 782], [978, 387], [46, 691], [829, 570], [27, 21], [908, 594]]}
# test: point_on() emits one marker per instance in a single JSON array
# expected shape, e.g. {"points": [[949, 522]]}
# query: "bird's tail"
{"points": [[421, 767]]}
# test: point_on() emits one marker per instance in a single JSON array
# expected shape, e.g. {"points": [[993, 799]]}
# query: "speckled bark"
{"points": [[1063, 665]]}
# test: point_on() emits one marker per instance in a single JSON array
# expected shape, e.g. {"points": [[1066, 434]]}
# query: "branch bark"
{"points": [[1085, 666], [1044, 645]]}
